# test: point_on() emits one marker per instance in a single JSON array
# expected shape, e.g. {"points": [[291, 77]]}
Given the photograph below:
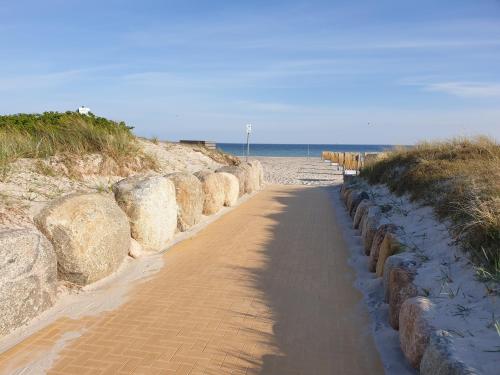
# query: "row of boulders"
{"points": [[425, 347], [83, 238]]}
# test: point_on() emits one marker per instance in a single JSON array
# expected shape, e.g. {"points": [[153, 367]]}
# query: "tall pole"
{"points": [[249, 130], [248, 145]]}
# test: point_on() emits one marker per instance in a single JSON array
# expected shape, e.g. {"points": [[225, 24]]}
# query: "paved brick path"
{"points": [[264, 290]]}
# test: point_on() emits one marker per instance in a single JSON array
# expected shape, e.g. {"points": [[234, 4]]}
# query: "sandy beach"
{"points": [[299, 171]]}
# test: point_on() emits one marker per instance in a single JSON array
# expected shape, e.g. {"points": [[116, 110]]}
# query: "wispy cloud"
{"points": [[48, 80], [467, 89]]}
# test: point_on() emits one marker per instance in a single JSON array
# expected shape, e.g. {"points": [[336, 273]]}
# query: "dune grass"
{"points": [[51, 133], [460, 178]]}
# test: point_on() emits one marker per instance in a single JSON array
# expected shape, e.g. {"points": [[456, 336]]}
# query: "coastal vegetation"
{"points": [[51, 133], [460, 178], [42, 135]]}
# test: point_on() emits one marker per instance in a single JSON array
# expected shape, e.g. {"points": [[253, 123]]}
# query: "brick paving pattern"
{"points": [[266, 289]]}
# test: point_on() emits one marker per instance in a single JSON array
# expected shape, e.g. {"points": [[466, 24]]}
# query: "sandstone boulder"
{"points": [[231, 188], [404, 261], [253, 183], [150, 204], [378, 238], [28, 281], [389, 246], [415, 328], [213, 188], [370, 224], [401, 288], [439, 359], [351, 195], [355, 201], [345, 190], [360, 212], [258, 172], [242, 173], [190, 199], [90, 235]]}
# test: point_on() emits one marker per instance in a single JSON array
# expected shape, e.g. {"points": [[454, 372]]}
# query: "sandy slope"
{"points": [[27, 188]]}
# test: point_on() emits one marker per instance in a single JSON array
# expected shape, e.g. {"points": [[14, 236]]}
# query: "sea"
{"points": [[297, 150]]}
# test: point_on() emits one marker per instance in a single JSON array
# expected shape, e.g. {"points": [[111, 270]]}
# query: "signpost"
{"points": [[249, 130]]}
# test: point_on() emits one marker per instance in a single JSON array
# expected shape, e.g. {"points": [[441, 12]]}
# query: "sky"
{"points": [[337, 71]]}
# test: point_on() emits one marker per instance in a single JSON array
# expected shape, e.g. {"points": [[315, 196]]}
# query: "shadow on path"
{"points": [[319, 324]]}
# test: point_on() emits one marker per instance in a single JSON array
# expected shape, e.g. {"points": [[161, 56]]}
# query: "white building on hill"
{"points": [[83, 110]]}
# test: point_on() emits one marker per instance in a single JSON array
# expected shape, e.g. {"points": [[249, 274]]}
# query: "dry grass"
{"points": [[52, 133], [217, 155], [461, 179]]}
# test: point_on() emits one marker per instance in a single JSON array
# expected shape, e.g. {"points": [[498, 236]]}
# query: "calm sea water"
{"points": [[262, 149]]}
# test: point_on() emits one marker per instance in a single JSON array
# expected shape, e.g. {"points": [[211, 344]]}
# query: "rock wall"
{"points": [[84, 237], [425, 346]]}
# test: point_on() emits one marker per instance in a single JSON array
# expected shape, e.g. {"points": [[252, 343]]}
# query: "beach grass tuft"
{"points": [[460, 178]]}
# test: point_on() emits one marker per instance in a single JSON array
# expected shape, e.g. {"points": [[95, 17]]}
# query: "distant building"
{"points": [[83, 110]]}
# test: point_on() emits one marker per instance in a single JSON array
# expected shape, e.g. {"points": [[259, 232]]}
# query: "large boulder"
{"points": [[401, 288], [378, 238], [190, 199], [369, 225], [213, 188], [257, 173], [360, 212], [90, 235], [404, 261], [389, 246], [28, 281], [231, 188], [351, 195], [440, 359], [151, 207], [415, 328], [355, 201], [242, 173], [345, 190], [253, 182]]}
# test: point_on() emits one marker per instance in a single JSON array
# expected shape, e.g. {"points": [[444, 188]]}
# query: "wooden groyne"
{"points": [[351, 161]]}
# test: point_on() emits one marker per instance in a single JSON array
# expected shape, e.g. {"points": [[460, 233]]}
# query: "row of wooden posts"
{"points": [[349, 160]]}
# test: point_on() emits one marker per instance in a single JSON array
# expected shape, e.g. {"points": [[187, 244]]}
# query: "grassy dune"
{"points": [[51, 133], [461, 179]]}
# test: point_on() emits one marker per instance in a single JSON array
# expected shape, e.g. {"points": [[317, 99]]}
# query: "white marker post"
{"points": [[249, 130]]}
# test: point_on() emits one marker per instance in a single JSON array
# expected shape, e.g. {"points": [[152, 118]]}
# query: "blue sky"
{"points": [[299, 71]]}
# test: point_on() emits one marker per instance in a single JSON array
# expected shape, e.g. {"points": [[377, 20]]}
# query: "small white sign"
{"points": [[249, 128]]}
